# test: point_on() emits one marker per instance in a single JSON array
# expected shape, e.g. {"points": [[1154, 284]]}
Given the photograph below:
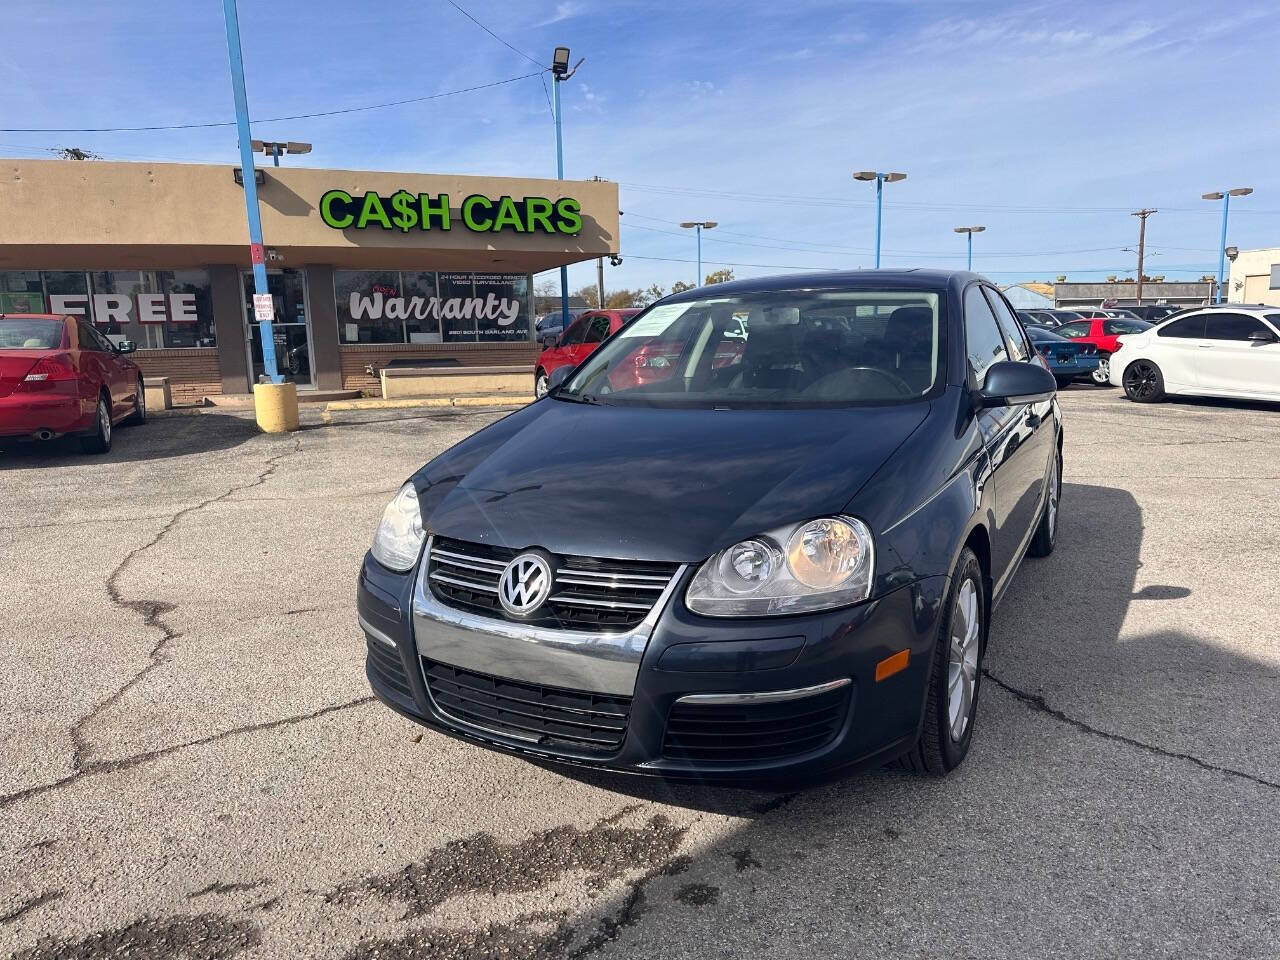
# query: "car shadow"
{"points": [[160, 438]]}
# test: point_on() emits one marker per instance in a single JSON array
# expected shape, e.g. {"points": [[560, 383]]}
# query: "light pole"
{"points": [[700, 225], [257, 256], [274, 149], [969, 232], [559, 73], [881, 179], [1225, 196]]}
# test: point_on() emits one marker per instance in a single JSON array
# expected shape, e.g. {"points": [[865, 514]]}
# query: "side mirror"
{"points": [[126, 346], [1261, 336], [558, 376], [1010, 382]]}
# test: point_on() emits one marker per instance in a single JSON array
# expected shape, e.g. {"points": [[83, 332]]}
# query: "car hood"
{"points": [[655, 484]]}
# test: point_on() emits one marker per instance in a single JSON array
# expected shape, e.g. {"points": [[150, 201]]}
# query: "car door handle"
{"points": [[1205, 346]]}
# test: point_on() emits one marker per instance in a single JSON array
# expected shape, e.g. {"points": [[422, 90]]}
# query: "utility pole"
{"points": [[1142, 241], [600, 281]]}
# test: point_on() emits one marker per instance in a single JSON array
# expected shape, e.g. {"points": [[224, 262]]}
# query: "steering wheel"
{"points": [[892, 379]]}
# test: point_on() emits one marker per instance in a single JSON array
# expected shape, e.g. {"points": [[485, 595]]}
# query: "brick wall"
{"points": [[192, 371], [357, 357]]}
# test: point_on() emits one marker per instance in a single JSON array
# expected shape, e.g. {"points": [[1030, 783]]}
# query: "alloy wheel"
{"points": [[1102, 375], [1140, 380], [962, 666], [540, 386], [104, 421], [1055, 490]]}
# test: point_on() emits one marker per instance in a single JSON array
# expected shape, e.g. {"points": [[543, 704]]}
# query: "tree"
{"points": [[75, 153], [652, 293], [720, 276], [680, 286], [589, 294], [547, 288]]}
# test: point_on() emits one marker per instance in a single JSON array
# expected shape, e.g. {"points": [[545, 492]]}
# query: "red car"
{"points": [[59, 375], [1104, 333], [577, 343]]}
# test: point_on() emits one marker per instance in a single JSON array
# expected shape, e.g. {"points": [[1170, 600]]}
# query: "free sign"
{"points": [[116, 308]]}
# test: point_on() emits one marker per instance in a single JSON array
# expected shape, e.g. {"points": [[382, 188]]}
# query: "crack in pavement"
{"points": [[30, 904], [1038, 703], [98, 767], [153, 611]]}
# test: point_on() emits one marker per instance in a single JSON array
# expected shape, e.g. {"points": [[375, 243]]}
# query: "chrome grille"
{"points": [[588, 593]]}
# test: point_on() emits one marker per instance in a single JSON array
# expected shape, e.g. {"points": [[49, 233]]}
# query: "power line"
{"points": [[509, 46], [808, 200], [296, 116]]}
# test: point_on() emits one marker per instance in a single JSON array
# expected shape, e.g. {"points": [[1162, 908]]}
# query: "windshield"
{"points": [[30, 333], [776, 348]]}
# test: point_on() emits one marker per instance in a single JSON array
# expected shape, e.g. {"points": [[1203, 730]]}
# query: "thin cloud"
{"points": [[570, 8]]}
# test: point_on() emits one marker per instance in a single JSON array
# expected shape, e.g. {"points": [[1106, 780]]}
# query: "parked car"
{"points": [[1228, 350], [1103, 332], [1039, 318], [548, 327], [782, 566], [1068, 360], [1063, 316], [1153, 312], [584, 334], [59, 375]]}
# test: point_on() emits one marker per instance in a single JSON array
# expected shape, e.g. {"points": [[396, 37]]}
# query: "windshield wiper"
{"points": [[580, 398]]}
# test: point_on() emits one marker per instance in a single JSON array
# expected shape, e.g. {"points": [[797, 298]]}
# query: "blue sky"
{"points": [[1047, 122]]}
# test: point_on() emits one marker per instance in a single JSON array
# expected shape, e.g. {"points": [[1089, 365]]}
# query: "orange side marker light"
{"points": [[890, 665]]}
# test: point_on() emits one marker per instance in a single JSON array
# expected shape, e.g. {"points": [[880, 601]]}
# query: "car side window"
{"points": [[90, 339], [577, 330], [1074, 330], [984, 344], [1117, 327], [1231, 326], [1186, 328], [597, 329], [1019, 349]]}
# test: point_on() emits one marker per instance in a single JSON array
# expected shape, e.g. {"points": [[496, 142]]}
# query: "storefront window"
{"points": [[363, 299], [389, 306], [20, 292], [152, 308]]}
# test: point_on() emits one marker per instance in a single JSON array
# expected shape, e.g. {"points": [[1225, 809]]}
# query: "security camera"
{"points": [[615, 260]]}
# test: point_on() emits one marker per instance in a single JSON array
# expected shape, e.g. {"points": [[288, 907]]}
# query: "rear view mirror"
{"points": [[1011, 382]]}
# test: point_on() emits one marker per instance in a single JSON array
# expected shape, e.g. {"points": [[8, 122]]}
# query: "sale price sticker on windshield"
{"points": [[263, 308]]}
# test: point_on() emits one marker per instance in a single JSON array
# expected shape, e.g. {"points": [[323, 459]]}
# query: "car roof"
{"points": [[1236, 308], [909, 279]]}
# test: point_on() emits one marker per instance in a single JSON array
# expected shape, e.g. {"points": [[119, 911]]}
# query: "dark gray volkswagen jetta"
{"points": [[759, 532]]}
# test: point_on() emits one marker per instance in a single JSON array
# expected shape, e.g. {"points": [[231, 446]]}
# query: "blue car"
{"points": [[1067, 359]]}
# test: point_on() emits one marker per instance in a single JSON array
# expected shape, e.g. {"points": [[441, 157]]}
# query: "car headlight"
{"points": [[824, 563], [399, 538]]}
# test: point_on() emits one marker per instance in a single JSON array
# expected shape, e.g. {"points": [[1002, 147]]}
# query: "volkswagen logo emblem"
{"points": [[524, 585]]}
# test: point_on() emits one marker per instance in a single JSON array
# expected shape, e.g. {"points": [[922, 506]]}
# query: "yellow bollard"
{"points": [[276, 406]]}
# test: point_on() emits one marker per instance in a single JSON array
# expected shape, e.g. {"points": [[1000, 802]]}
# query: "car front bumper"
{"points": [[695, 682]]}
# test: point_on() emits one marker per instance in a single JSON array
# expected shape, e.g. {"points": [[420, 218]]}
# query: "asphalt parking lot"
{"points": [[194, 767]]}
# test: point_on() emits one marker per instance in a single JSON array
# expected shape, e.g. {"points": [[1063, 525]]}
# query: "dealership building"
{"points": [[364, 268]]}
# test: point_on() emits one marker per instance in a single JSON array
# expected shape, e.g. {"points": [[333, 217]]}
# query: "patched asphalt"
{"points": [[194, 767]]}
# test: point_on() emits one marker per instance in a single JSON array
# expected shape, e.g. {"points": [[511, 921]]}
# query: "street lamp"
{"points": [[700, 225], [969, 232], [881, 179], [560, 72], [275, 149], [1225, 196]]}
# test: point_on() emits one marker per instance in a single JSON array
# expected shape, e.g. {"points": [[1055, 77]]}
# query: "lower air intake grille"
{"points": [[745, 733], [385, 664], [590, 723]]}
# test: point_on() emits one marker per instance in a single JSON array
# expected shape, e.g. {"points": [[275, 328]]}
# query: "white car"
{"points": [[1227, 350]]}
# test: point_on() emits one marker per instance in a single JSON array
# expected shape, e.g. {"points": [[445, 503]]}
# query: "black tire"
{"points": [[1101, 377], [1046, 535], [1063, 382], [99, 441], [1143, 382], [938, 751], [540, 384], [139, 415]]}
